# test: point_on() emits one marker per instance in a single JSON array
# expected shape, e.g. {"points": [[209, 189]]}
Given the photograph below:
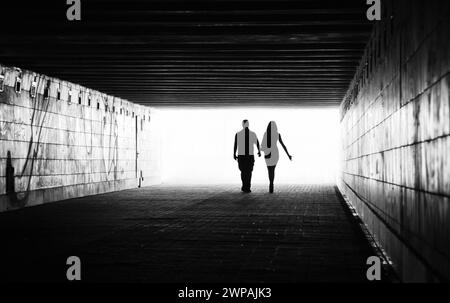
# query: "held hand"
{"points": [[235, 158], [290, 157], [259, 154]]}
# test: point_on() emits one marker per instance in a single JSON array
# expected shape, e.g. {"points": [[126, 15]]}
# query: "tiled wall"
{"points": [[395, 135], [55, 147]]}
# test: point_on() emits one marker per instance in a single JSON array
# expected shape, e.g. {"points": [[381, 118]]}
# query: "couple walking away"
{"points": [[244, 143]]}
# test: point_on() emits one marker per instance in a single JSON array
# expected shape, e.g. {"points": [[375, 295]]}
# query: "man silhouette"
{"points": [[244, 142]]}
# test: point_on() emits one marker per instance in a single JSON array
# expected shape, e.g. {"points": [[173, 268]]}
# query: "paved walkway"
{"points": [[188, 234]]}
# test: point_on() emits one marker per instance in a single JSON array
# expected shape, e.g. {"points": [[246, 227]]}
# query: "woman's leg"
{"points": [[271, 170]]}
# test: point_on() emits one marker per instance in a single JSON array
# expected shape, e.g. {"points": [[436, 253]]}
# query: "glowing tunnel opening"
{"points": [[197, 144]]}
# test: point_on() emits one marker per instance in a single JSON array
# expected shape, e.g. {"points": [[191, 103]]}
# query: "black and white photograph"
{"points": [[215, 149]]}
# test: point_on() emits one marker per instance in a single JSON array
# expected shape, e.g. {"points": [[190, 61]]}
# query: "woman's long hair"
{"points": [[270, 137]]}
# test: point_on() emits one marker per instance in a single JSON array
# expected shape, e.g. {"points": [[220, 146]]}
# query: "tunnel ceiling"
{"points": [[193, 52]]}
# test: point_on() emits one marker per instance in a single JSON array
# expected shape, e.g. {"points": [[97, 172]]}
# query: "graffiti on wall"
{"points": [[25, 168], [37, 121]]}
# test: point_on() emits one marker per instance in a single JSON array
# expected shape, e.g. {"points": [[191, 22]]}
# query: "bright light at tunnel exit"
{"points": [[197, 144]]}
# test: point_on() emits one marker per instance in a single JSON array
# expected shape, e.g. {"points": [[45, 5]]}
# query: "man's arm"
{"points": [[235, 147], [257, 145]]}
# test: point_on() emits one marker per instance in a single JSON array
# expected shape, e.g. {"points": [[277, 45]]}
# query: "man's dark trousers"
{"points": [[246, 167]]}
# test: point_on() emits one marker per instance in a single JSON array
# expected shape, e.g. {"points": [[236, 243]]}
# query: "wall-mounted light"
{"points": [[33, 87], [2, 82], [69, 97], [47, 90], [18, 85], [105, 101]]}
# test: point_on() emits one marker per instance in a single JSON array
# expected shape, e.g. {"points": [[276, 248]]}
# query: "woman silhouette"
{"points": [[270, 149]]}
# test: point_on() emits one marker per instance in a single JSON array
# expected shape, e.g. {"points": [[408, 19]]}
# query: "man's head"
{"points": [[245, 124]]}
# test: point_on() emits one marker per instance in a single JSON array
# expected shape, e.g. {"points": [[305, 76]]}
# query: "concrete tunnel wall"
{"points": [[55, 148], [395, 138]]}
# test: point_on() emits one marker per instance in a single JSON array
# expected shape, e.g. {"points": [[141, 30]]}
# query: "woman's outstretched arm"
{"points": [[284, 147]]}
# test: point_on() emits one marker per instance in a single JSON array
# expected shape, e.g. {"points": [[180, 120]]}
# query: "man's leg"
{"points": [[251, 163], [246, 185], [244, 166], [241, 163], [245, 173]]}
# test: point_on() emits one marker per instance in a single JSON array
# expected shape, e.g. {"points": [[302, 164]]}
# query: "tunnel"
{"points": [[118, 121]]}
